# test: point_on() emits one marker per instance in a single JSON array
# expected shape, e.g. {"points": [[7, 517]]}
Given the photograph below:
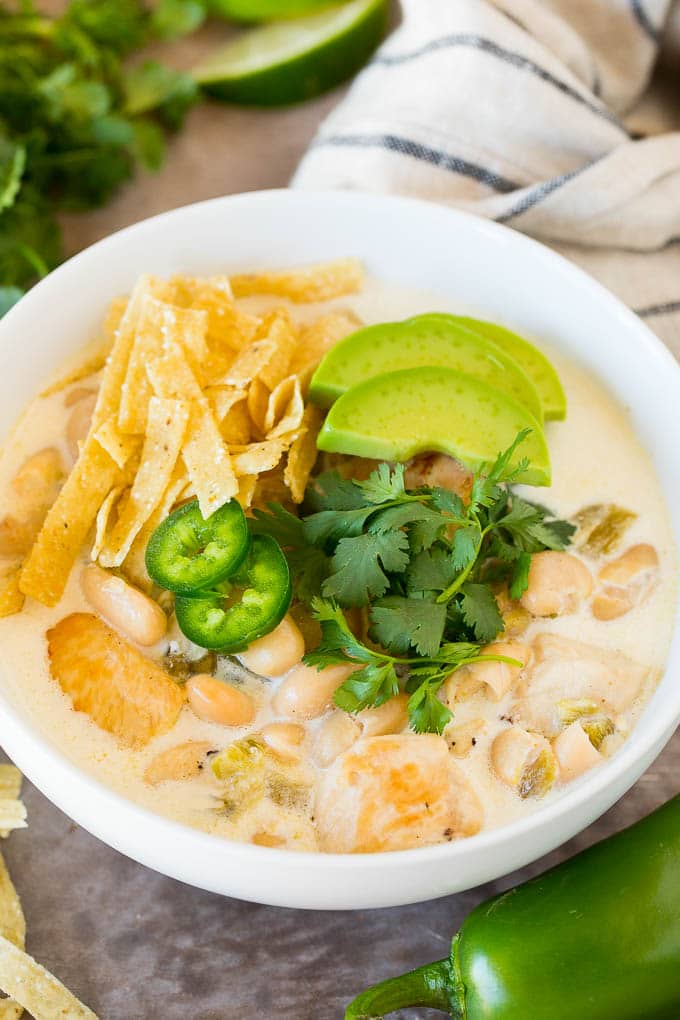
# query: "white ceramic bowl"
{"points": [[486, 267]]}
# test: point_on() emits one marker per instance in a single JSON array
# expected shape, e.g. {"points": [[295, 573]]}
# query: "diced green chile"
{"points": [[597, 938], [186, 552], [246, 607]]}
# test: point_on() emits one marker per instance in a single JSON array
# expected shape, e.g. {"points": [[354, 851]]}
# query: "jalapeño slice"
{"points": [[186, 552], [244, 608]]}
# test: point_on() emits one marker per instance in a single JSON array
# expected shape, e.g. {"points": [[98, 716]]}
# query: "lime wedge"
{"points": [[416, 410], [288, 61], [533, 361], [266, 10], [430, 339]]}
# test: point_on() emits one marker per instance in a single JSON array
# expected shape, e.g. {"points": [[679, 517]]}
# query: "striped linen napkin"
{"points": [[527, 112]]}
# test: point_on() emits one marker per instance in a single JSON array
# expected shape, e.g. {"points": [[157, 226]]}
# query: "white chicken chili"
{"points": [[419, 735]]}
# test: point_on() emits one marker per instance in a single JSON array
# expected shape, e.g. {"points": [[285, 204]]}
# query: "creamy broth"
{"points": [[596, 457]]}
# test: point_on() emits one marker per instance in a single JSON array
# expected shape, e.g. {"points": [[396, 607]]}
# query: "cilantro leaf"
{"points": [[520, 576], [173, 18], [359, 566], [332, 525], [369, 687], [338, 643], [427, 529], [431, 570], [464, 547], [308, 565], [399, 623], [427, 714], [384, 484], [480, 611], [12, 166], [486, 483], [330, 491]]}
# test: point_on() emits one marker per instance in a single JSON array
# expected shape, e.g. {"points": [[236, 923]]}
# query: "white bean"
{"points": [[336, 734], [575, 752], [523, 761], [284, 739], [558, 582], [626, 582], [496, 677], [462, 738], [219, 702], [126, 608], [276, 652], [391, 717], [307, 692]]}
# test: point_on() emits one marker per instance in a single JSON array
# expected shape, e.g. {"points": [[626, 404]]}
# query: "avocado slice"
{"points": [[399, 414], [432, 339], [533, 362]]}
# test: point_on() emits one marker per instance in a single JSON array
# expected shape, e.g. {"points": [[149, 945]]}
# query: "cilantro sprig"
{"points": [[424, 563]]}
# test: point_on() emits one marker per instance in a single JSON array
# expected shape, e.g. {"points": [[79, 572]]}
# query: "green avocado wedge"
{"points": [[534, 363], [265, 10], [431, 339], [399, 414]]}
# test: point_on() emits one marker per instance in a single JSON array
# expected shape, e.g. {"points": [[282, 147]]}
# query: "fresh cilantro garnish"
{"points": [[423, 562], [73, 121]]}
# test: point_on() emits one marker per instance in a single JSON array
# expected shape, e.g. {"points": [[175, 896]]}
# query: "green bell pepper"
{"points": [[186, 552], [246, 607], [596, 938]]}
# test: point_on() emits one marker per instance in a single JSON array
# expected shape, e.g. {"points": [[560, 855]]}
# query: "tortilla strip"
{"points": [[134, 565], [67, 524], [11, 597], [248, 365], [118, 446], [303, 453], [317, 337], [313, 283], [284, 418], [246, 490], [229, 328], [223, 398], [258, 401], [10, 781], [258, 457], [102, 521], [205, 454], [12, 926], [108, 400], [159, 324], [12, 814], [279, 331], [38, 991], [236, 427], [166, 428]]}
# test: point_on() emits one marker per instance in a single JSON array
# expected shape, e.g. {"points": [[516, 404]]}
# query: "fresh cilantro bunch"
{"points": [[423, 564], [74, 121]]}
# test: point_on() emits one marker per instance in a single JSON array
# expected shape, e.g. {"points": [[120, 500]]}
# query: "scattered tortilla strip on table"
{"points": [[12, 928], [312, 283], [67, 524], [12, 814], [10, 781], [38, 991], [166, 427], [303, 453]]}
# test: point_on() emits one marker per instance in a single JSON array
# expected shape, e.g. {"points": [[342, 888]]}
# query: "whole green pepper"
{"points": [[245, 607], [596, 938]]}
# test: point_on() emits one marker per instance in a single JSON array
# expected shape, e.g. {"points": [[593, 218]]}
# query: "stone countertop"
{"points": [[137, 946]]}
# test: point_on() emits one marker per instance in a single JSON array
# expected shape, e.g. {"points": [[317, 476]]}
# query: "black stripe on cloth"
{"points": [[666, 308], [509, 56], [644, 20], [435, 157], [536, 195]]}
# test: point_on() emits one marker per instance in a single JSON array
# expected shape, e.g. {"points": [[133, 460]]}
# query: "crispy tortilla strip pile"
{"points": [[198, 398], [28, 984]]}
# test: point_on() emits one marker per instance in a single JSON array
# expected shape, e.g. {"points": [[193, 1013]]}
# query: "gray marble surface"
{"points": [[137, 946]]}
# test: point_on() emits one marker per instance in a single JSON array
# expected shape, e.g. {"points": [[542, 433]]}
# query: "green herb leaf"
{"points": [[399, 623], [427, 714], [464, 547], [368, 688], [12, 165], [431, 570], [480, 611], [173, 18], [359, 567], [520, 576], [384, 484]]}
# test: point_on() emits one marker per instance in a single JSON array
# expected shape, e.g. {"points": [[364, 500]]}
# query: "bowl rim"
{"points": [[20, 739]]}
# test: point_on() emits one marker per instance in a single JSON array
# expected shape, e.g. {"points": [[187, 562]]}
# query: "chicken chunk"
{"points": [[436, 469], [565, 669], [394, 793], [119, 688]]}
